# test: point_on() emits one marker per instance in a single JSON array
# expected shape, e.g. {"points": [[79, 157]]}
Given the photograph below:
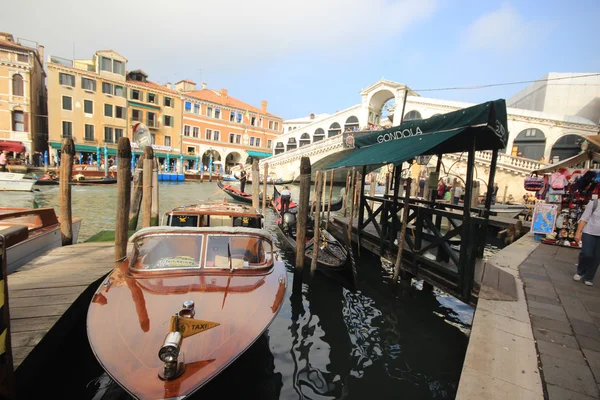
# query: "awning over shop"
{"points": [[7, 145], [448, 133], [259, 154], [571, 162], [140, 105]]}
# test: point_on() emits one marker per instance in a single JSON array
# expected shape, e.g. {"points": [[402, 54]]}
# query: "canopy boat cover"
{"points": [[447, 133]]}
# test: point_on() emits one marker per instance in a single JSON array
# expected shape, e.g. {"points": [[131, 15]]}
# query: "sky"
{"points": [[314, 56]]}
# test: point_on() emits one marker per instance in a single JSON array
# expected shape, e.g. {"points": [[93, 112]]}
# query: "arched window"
{"points": [[17, 82], [334, 129], [279, 148], [412, 115], [530, 143], [304, 139], [566, 147], [319, 135], [291, 145], [351, 124]]}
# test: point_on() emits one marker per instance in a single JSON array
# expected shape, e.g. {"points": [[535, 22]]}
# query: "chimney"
{"points": [[203, 85], [264, 106], [224, 93], [185, 86], [312, 116]]}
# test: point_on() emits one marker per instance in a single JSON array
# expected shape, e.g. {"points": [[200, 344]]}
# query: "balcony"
{"points": [[152, 123]]}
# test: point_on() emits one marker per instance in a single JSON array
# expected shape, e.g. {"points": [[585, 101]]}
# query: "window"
{"points": [[107, 88], [196, 108], [89, 133], [118, 134], [168, 141], [208, 134], [136, 94], [18, 121], [218, 114], [270, 124], [251, 140], [119, 112], [66, 79], [232, 117], [168, 102], [88, 84], [108, 134], [136, 115], [119, 91], [153, 138], [152, 98], [151, 120], [257, 142], [168, 120], [88, 106], [231, 138], [191, 150], [196, 131], [238, 139], [269, 143], [108, 110], [239, 118], [105, 64], [23, 57], [17, 85], [216, 136], [209, 111], [186, 130], [188, 106], [276, 126], [253, 121], [118, 67], [67, 129], [67, 103]]}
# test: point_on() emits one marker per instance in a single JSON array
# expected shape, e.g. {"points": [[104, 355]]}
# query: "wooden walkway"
{"points": [[41, 291]]}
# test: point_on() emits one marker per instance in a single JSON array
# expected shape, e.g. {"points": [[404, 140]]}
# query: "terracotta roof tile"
{"points": [[216, 97], [13, 45], [152, 85]]}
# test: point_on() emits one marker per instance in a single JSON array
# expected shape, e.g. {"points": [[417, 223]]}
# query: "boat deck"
{"points": [[41, 291]]}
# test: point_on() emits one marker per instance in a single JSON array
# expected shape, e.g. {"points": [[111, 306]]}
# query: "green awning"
{"points": [[86, 148], [140, 105], [259, 154], [448, 133]]}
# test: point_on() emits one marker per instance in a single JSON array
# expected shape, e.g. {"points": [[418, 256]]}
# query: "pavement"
{"points": [[565, 318]]}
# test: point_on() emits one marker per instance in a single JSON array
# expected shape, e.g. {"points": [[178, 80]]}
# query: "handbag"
{"points": [[534, 183]]}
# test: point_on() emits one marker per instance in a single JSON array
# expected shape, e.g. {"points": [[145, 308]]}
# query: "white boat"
{"points": [[10, 181], [43, 233]]}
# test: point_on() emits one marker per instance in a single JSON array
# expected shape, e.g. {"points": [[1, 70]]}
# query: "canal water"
{"points": [[328, 341]]}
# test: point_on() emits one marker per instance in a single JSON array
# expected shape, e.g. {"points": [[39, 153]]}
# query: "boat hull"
{"points": [[12, 182]]}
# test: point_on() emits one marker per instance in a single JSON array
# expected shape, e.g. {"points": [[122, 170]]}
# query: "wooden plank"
{"points": [[32, 324], [40, 311], [64, 290], [45, 300], [28, 339]]}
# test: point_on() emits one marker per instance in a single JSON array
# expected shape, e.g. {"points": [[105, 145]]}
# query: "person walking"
{"points": [[286, 198], [494, 193], [243, 179], [457, 192], [588, 233], [3, 161]]}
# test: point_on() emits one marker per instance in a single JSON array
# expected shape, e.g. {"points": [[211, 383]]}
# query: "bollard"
{"points": [[66, 172], [255, 185], [123, 197]]}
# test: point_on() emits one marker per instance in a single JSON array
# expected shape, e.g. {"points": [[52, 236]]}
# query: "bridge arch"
{"points": [[351, 124], [304, 139], [566, 146], [318, 135], [334, 129], [529, 143], [279, 148], [291, 144], [412, 115]]}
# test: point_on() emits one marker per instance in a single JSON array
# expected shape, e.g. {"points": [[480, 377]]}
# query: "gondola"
{"points": [[276, 203], [236, 194], [273, 182]]}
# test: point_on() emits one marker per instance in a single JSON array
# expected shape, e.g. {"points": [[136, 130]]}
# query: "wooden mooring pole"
{"points": [[330, 195], [255, 185], [136, 194], [352, 206], [321, 182], [123, 197], [155, 194], [345, 203], [147, 187], [305, 171], [372, 188], [66, 173], [402, 233], [264, 195]]}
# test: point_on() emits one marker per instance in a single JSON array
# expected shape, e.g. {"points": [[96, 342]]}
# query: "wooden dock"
{"points": [[42, 291]]}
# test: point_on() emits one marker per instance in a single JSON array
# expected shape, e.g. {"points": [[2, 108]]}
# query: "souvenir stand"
{"points": [[569, 185]]}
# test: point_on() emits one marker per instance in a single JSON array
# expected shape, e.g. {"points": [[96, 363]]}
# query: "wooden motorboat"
{"points": [[43, 233], [183, 306], [94, 181], [276, 203], [13, 182], [332, 255], [214, 214], [236, 193]]}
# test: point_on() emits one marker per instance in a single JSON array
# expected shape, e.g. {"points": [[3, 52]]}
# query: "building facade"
{"points": [[23, 97], [222, 131]]}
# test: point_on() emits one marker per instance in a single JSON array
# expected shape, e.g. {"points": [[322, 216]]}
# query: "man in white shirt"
{"points": [[588, 233], [458, 191], [286, 198]]}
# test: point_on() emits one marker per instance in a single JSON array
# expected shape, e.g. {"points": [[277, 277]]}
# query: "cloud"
{"points": [[231, 34], [504, 30]]}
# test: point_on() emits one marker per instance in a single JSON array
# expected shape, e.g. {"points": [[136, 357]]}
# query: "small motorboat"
{"points": [[13, 182], [94, 181], [214, 214], [183, 306], [43, 233], [236, 193], [276, 203]]}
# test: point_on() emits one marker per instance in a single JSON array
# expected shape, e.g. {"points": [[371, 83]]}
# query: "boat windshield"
{"points": [[167, 252], [192, 220], [237, 251]]}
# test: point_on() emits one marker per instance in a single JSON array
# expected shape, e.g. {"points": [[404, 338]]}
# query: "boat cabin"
{"points": [[205, 248], [216, 214]]}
